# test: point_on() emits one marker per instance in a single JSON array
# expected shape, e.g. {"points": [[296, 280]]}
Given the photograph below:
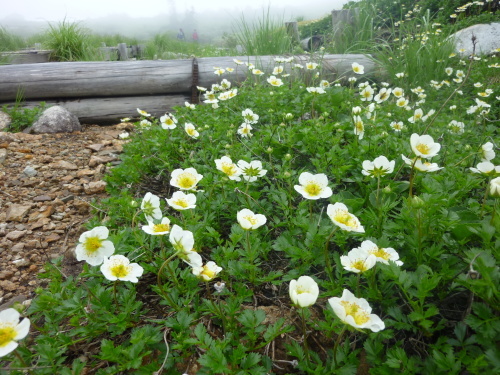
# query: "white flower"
{"points": [[157, 229], [248, 220], [356, 110], [251, 171], [315, 90], [275, 81], [11, 330], [182, 240], [118, 267], [311, 66], [304, 291], [417, 115], [151, 207], [145, 124], [94, 247], [486, 167], [367, 94], [191, 130], [225, 84], [313, 186], [185, 179], [357, 68], [382, 95], [182, 201], [402, 102], [378, 167], [124, 135], [487, 152], [324, 83], [355, 312], [219, 71], [382, 255], [143, 113], [495, 187], [358, 260], [456, 127], [168, 121], [245, 130], [226, 165], [424, 146], [397, 126], [257, 72], [359, 128], [340, 216], [207, 272], [423, 166], [398, 92], [188, 105], [249, 117]]}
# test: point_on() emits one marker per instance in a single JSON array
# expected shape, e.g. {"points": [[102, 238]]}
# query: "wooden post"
{"points": [[292, 29], [343, 18], [122, 52]]}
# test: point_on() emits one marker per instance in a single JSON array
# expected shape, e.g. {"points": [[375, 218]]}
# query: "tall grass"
{"points": [[69, 42], [266, 36], [10, 42]]}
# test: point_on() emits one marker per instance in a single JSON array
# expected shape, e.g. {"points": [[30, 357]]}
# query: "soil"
{"points": [[48, 185]]}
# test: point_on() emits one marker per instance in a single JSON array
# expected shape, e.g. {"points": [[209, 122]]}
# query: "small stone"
{"points": [[95, 187], [44, 213], [62, 164], [21, 262], [18, 247], [30, 171], [15, 235], [85, 172], [6, 275], [68, 198], [52, 237], [3, 155], [42, 198], [96, 147], [96, 160], [82, 207], [8, 285], [17, 212]]}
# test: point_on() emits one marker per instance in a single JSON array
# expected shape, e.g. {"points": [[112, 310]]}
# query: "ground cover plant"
{"points": [[289, 225]]}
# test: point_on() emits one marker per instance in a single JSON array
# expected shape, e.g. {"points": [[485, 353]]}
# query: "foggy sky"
{"points": [[57, 10]]}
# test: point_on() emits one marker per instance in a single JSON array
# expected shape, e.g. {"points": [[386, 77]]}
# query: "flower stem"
{"points": [[327, 257], [485, 196], [304, 332], [337, 342], [114, 292]]}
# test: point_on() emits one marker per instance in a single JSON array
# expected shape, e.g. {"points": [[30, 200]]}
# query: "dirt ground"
{"points": [[48, 185]]}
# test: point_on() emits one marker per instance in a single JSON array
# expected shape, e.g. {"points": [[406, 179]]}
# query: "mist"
{"points": [[210, 23]]}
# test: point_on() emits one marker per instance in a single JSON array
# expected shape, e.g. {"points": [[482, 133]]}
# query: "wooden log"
{"points": [[111, 110], [134, 78]]}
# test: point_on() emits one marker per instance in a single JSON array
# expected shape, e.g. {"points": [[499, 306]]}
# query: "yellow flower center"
{"points": [[366, 93], [208, 272], [423, 148], [381, 253], [359, 126], [181, 202], [345, 218], [383, 96], [120, 270], [360, 316], [312, 188], [161, 228], [356, 69], [191, 131], [229, 169], [359, 265], [186, 181], [7, 334], [251, 219], [92, 244]]}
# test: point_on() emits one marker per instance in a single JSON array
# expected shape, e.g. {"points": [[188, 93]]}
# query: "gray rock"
{"points": [[30, 171], [56, 120], [4, 121], [487, 39], [3, 155]]}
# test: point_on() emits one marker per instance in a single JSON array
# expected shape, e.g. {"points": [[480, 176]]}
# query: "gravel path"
{"points": [[47, 185]]}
